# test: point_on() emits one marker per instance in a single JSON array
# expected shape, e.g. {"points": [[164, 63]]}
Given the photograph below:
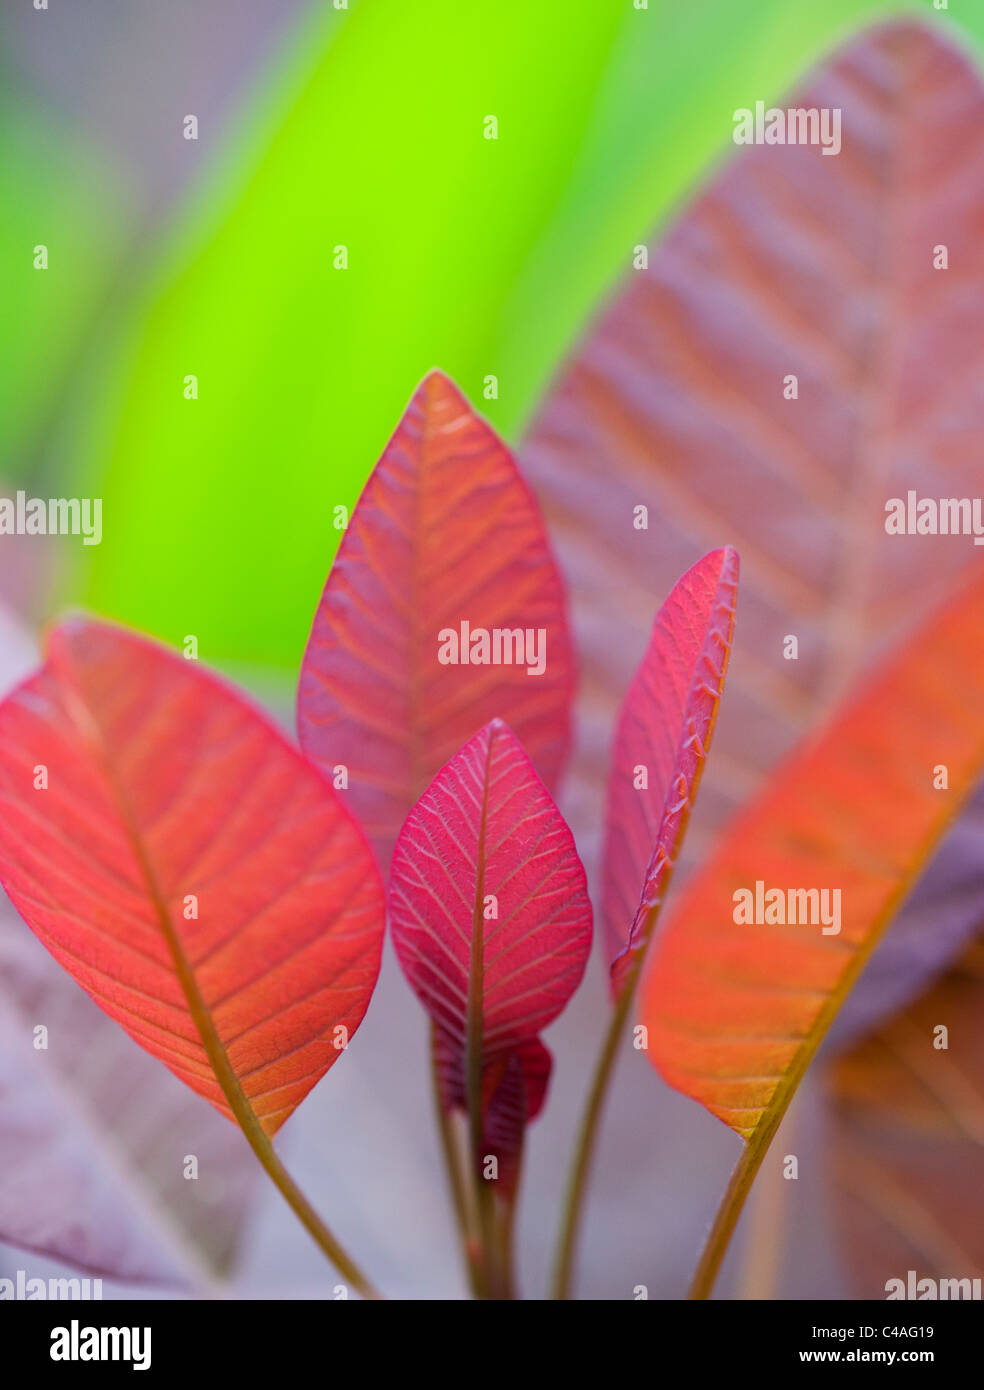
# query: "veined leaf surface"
{"points": [[488, 902], [664, 732], [190, 869], [446, 532]]}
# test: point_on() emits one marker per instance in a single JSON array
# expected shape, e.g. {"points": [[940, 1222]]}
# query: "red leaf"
{"points": [[446, 531], [165, 788], [487, 836], [665, 727]]}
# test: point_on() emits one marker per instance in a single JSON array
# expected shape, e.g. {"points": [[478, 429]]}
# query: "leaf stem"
{"points": [[507, 1231], [587, 1136], [456, 1181], [727, 1218], [766, 1226], [487, 1234], [306, 1214]]}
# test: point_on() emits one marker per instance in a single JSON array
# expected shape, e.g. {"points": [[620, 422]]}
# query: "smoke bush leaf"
{"points": [[661, 744], [445, 532], [190, 869], [489, 910], [736, 1008]]}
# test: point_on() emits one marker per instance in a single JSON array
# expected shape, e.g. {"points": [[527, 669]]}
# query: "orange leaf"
{"points": [[735, 1011]]}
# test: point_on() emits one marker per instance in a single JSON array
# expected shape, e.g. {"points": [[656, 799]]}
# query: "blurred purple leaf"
{"points": [[789, 264], [905, 1132]]}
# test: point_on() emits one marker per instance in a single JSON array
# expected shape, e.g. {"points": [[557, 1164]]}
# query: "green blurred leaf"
{"points": [[478, 256], [52, 195]]}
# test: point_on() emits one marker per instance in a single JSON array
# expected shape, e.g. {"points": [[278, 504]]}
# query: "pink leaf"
{"points": [[488, 901], [664, 732]]}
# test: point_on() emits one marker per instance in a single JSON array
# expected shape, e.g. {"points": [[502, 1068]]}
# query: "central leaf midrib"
{"points": [[201, 1016], [476, 970]]}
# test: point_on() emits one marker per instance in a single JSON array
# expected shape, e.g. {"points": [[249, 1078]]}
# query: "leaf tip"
{"points": [[437, 388]]}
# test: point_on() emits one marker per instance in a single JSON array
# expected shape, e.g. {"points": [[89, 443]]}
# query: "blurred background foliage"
{"points": [[361, 128]]}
